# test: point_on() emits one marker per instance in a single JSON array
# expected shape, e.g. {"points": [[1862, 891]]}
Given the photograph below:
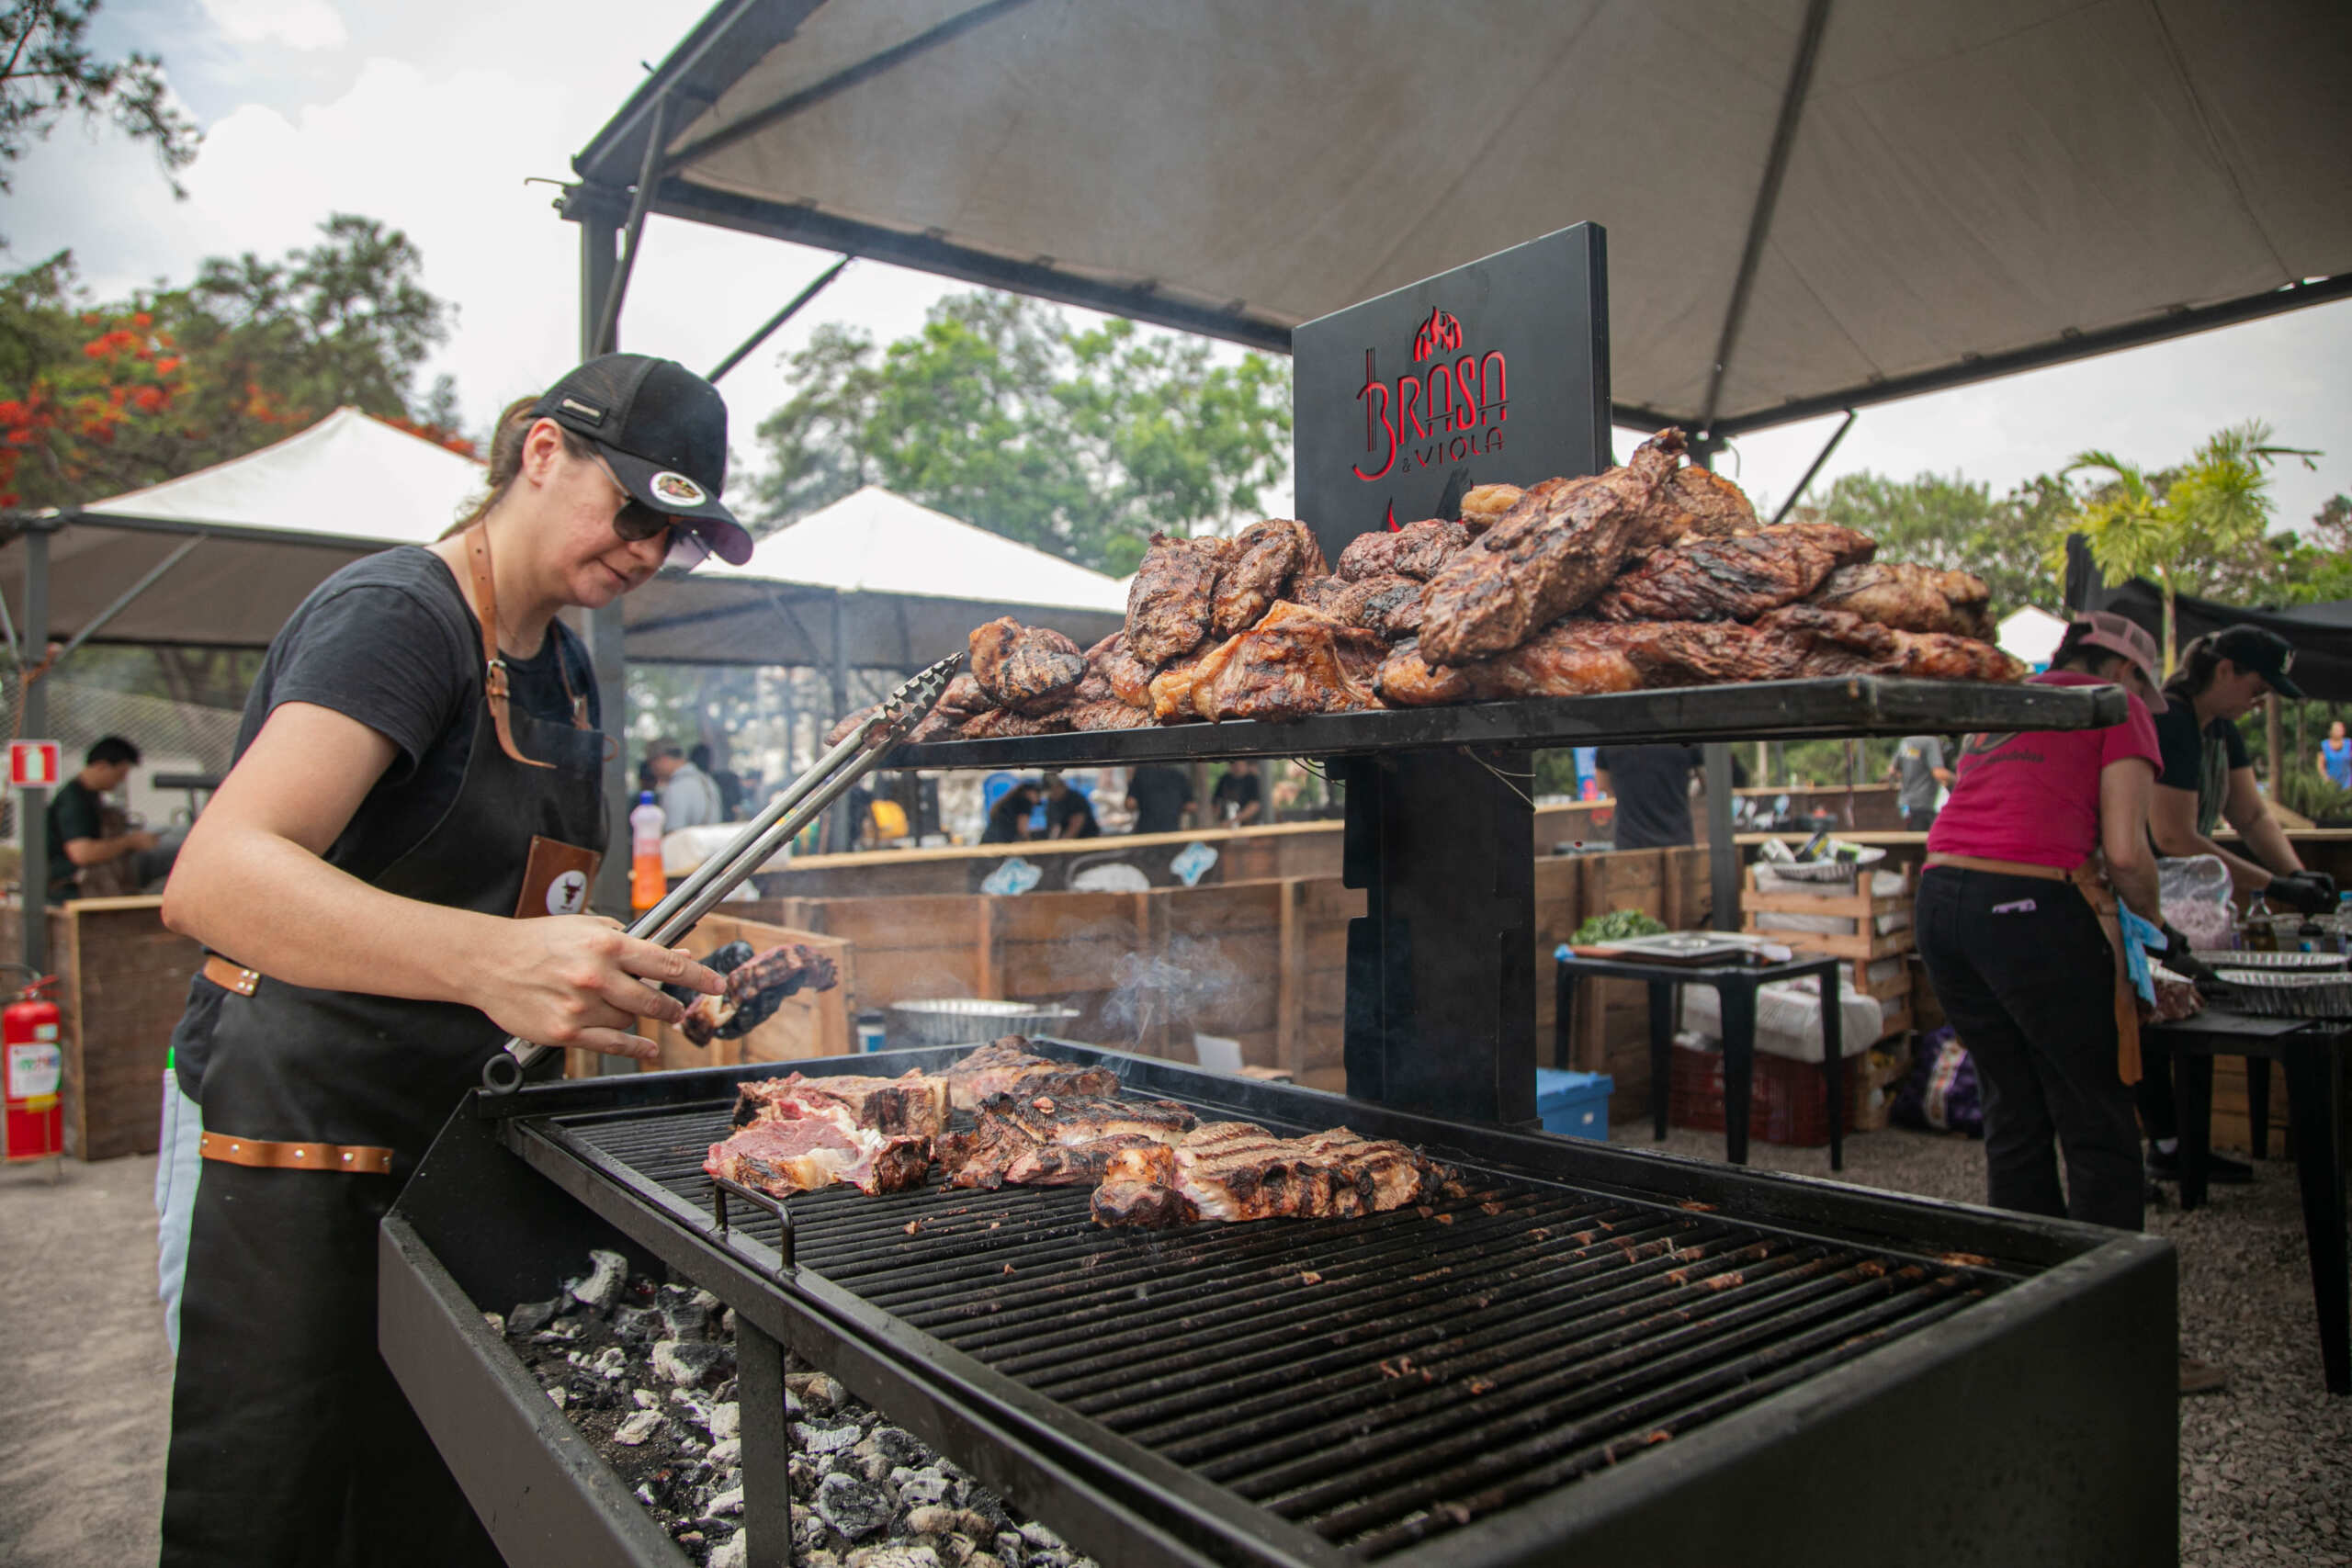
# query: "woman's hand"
{"points": [[580, 980]]}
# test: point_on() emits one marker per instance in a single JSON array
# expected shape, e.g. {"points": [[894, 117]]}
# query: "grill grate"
{"points": [[1378, 1380]]}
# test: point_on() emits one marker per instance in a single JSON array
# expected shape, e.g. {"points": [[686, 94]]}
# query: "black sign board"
{"points": [[1496, 372]]}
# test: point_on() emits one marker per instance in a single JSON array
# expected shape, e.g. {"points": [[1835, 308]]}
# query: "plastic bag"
{"points": [[2194, 896], [1941, 1093]]}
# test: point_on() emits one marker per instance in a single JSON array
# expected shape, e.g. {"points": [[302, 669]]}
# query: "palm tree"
{"points": [[2179, 527]]}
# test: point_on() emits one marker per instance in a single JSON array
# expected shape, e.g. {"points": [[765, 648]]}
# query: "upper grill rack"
{"points": [[1379, 1381]]}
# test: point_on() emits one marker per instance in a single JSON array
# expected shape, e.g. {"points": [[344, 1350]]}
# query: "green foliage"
{"points": [[1618, 925], [1956, 524], [2315, 564], [47, 71], [1079, 443]]}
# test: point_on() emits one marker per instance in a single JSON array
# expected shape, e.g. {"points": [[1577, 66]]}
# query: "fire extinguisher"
{"points": [[32, 1067]]}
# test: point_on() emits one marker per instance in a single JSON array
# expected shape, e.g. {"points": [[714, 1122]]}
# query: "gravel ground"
{"points": [[2265, 1465]]}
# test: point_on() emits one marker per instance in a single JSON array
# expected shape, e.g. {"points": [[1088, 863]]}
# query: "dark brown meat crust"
{"points": [[1171, 689], [1390, 607], [909, 1103], [1141, 1205], [1267, 559], [1696, 503], [1560, 545], [1483, 506], [1418, 550], [1007, 1066], [1030, 669], [1567, 658], [1130, 677], [998, 723], [1290, 665], [1732, 580], [1106, 713], [1910, 598], [843, 727], [1168, 602], [965, 695], [1047, 1140], [1319, 592], [1839, 642]]}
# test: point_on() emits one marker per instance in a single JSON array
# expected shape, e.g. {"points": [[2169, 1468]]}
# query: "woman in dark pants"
{"points": [[2021, 959]]}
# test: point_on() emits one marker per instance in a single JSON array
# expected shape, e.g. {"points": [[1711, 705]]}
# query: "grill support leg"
{"points": [[1739, 1065], [767, 1448]]}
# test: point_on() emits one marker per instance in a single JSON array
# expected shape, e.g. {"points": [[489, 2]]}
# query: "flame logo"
{"points": [[1440, 335]]}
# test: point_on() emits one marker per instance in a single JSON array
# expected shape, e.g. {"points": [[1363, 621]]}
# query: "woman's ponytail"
{"points": [[514, 421]]}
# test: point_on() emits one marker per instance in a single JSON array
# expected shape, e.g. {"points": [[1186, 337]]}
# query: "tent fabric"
{"points": [[2031, 633], [2322, 633], [1966, 180]]}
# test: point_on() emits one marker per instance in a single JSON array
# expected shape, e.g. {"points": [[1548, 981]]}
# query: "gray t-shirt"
{"points": [[1918, 758], [690, 799]]}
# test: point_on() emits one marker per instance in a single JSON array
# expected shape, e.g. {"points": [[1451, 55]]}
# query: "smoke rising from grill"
{"points": [[1182, 987]]}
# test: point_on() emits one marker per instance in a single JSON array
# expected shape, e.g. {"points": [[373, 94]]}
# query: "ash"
{"points": [[646, 1371]]}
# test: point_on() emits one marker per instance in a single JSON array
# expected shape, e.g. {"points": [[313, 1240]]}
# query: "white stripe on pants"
{"points": [[177, 1167]]}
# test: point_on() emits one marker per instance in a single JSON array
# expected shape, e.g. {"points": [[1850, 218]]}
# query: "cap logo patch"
{"points": [[672, 486], [593, 414]]}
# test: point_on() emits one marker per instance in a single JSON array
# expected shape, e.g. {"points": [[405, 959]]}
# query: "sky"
{"points": [[432, 116]]}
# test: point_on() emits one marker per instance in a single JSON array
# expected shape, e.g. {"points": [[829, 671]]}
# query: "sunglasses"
{"points": [[636, 523]]}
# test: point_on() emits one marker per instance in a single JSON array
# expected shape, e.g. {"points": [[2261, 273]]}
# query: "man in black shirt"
{"points": [[1239, 798], [1652, 787], [1161, 799], [1068, 815], [77, 836], [1009, 818]]}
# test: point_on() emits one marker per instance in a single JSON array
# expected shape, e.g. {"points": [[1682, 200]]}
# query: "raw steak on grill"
{"points": [[807, 1145], [1062, 1140], [1296, 663], [911, 1103], [1168, 602], [1234, 1170], [1560, 545], [1910, 598], [1417, 550], [1030, 670], [1732, 580], [1008, 1066], [1266, 559]]}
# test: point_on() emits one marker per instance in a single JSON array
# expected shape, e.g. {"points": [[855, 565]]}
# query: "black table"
{"points": [[2312, 1050], [1736, 984]]}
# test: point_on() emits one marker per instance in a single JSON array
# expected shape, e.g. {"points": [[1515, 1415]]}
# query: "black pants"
{"points": [[2027, 978]]}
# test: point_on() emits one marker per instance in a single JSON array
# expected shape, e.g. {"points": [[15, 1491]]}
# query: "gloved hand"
{"points": [[2182, 962], [2310, 892]]}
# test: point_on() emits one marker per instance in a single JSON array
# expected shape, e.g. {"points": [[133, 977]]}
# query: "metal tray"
{"points": [[2271, 993], [1681, 947], [2233, 958]]}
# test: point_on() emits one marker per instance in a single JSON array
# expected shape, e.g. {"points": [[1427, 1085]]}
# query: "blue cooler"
{"points": [[1575, 1104]]}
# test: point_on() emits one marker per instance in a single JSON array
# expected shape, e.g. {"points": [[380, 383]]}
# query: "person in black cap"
{"points": [[2209, 777], [420, 769]]}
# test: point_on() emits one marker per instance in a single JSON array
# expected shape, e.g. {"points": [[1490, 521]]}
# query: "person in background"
{"points": [[2335, 757], [1009, 818], [2209, 776], [78, 835], [1239, 798], [1918, 763], [1068, 814], [1652, 787], [1161, 799], [689, 799], [730, 788]]}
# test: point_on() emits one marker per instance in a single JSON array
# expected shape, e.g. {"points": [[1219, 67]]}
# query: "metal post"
{"points": [[836, 835], [791, 309], [1723, 850], [33, 802]]}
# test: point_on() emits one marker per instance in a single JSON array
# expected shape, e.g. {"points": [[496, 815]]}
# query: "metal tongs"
{"points": [[797, 805]]}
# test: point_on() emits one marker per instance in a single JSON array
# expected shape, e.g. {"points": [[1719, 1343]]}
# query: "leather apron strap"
{"points": [[494, 678], [360, 1160], [2101, 898]]}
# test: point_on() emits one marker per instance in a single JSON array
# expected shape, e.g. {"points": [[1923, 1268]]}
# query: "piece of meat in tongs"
{"points": [[756, 985]]}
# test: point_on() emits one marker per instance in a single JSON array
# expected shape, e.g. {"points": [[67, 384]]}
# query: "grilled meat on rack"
{"points": [[1294, 662], [1559, 546], [1389, 607], [1106, 713], [912, 1103], [1732, 580], [998, 723], [1839, 642], [1171, 689], [1168, 602], [1910, 598], [1483, 506], [1062, 1140], [799, 1146], [1417, 550], [1234, 1170], [1696, 503], [1030, 669], [1567, 659], [1266, 559], [1130, 677], [1007, 1066]]}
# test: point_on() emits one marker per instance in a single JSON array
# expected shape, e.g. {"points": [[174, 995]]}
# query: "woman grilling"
{"points": [[419, 772]]}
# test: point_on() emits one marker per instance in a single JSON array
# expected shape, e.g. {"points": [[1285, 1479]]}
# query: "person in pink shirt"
{"points": [[2015, 950]]}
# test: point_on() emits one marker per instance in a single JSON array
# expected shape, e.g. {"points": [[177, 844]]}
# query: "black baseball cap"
{"points": [[664, 430], [2266, 653]]}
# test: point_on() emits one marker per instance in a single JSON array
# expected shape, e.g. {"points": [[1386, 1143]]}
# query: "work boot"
{"points": [[2220, 1170]]}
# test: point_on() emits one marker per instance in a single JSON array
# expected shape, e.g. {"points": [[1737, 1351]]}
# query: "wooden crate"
{"points": [[1859, 905], [122, 979], [809, 1023]]}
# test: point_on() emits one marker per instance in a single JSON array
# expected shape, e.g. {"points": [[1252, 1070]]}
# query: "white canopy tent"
{"points": [[2031, 633]]}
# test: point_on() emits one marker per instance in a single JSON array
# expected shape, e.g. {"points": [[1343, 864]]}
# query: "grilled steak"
{"points": [[1234, 1170], [1839, 642], [1483, 506], [999, 722], [755, 988], [1910, 598], [1560, 545], [1106, 713], [809, 1144], [1732, 580], [1007, 1067], [1168, 602], [1415, 550], [1267, 557], [845, 728], [1030, 669], [1294, 662], [1567, 658], [1389, 607], [1142, 1205], [1171, 689], [1696, 503], [912, 1103], [1063, 1140], [1130, 677]]}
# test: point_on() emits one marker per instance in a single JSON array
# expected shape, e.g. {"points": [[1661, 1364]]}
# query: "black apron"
{"points": [[291, 1442]]}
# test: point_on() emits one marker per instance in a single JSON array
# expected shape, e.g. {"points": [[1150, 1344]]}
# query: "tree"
{"points": [[2317, 563], [1079, 443], [2185, 529], [48, 72], [99, 399], [1955, 524]]}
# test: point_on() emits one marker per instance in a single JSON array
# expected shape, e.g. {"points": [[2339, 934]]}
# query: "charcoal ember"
{"points": [[726, 1451], [896, 1444], [725, 1420], [819, 1390], [917, 1556], [723, 1504], [1010, 1550], [601, 1287], [497, 1322], [533, 1318], [930, 1519], [826, 1440], [688, 1362], [635, 1429], [732, 1552], [926, 1486], [639, 1327], [855, 1508], [1042, 1536], [686, 1313]]}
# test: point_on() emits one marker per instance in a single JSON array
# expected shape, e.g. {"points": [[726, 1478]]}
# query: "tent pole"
{"points": [[1723, 850], [837, 826], [605, 653], [609, 320], [32, 801], [790, 309], [123, 601], [1798, 494]]}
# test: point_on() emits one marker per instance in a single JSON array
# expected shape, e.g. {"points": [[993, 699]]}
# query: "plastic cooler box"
{"points": [[1576, 1104]]}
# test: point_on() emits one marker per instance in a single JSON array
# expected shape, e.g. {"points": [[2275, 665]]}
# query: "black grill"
{"points": [[1485, 1379]]}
